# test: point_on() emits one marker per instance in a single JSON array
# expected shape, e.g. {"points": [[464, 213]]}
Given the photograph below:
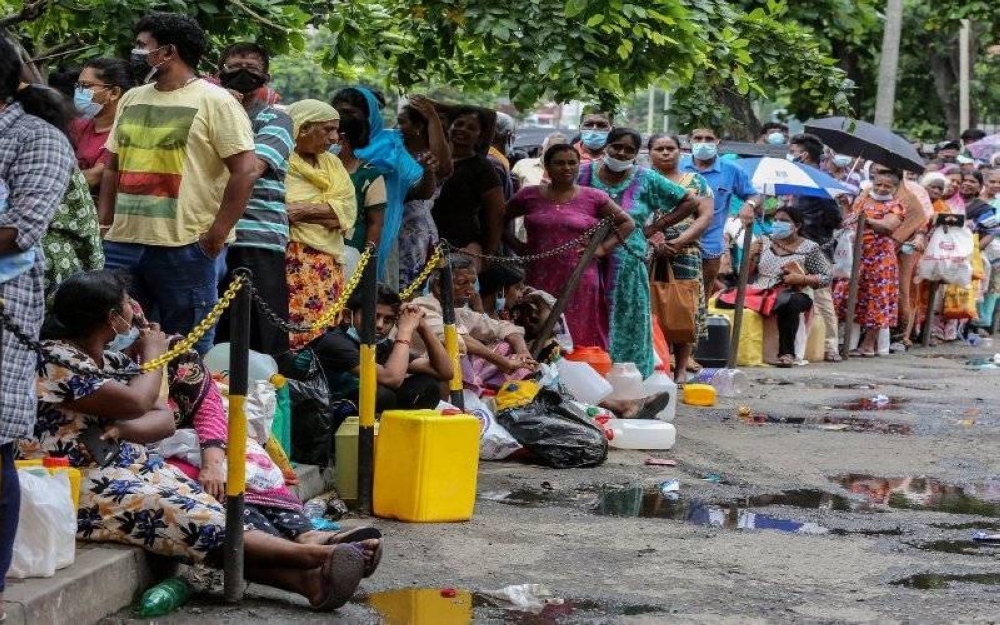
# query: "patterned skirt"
{"points": [[149, 504], [315, 280]]}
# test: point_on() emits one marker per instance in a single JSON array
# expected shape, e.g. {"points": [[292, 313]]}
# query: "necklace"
{"points": [[557, 199]]}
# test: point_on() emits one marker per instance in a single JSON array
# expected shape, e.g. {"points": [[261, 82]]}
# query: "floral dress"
{"points": [[72, 242], [138, 499], [878, 284], [640, 194]]}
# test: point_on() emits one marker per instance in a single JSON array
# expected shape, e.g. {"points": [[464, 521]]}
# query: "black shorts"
{"points": [[276, 521]]}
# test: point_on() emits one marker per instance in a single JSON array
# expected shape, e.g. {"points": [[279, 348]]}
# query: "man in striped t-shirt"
{"points": [[179, 176], [262, 232]]}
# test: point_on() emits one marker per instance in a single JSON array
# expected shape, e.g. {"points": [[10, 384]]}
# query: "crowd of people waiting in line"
{"points": [[126, 208]]}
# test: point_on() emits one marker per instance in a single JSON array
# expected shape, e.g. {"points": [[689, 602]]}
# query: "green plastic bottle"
{"points": [[165, 597]]}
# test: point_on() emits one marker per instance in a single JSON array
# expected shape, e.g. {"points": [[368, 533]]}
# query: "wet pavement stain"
{"points": [[936, 581], [866, 404], [451, 606], [960, 547], [860, 424], [921, 493], [974, 525]]}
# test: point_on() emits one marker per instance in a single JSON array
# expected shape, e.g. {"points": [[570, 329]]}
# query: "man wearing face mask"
{"points": [[178, 178], [594, 129], [820, 219], [726, 180], [262, 231], [500, 147], [773, 133], [405, 382]]}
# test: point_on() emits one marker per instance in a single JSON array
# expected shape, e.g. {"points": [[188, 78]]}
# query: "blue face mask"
{"points": [[842, 161], [83, 100], [594, 139], [781, 230], [776, 138], [123, 341], [335, 149], [353, 333], [704, 151]]}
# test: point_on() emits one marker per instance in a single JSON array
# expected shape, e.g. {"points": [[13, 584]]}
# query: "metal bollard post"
{"points": [[368, 385], [236, 445], [852, 290], [451, 332], [741, 296]]}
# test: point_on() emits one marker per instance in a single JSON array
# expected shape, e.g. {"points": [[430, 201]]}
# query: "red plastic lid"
{"points": [[450, 412], [53, 462], [489, 393]]}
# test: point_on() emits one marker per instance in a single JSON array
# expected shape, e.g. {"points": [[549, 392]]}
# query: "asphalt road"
{"points": [[870, 516]]}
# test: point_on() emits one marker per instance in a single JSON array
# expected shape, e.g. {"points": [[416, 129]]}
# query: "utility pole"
{"points": [[889, 64], [666, 110], [963, 77], [651, 110]]}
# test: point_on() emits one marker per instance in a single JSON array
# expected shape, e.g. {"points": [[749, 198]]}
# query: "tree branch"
{"points": [[30, 11]]}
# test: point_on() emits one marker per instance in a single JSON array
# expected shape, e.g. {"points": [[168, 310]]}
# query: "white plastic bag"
{"points": [[46, 531], [262, 401], [948, 257], [183, 445], [495, 442], [843, 254]]}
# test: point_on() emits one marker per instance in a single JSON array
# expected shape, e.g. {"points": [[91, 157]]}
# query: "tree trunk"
{"points": [[745, 125], [885, 102]]}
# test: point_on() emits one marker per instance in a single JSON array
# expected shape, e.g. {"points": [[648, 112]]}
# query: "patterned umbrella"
{"points": [[777, 176]]}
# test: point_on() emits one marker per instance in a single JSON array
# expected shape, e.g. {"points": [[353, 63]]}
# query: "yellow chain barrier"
{"points": [[327, 317], [432, 264], [185, 344]]}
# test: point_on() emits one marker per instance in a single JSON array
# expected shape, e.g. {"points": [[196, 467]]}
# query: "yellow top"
{"points": [[327, 183]]}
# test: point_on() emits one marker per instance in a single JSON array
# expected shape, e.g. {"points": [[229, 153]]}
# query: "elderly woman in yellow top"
{"points": [[321, 208]]}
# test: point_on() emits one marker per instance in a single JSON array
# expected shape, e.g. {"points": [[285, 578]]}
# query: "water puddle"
{"points": [[936, 581], [974, 525], [961, 547], [921, 493], [450, 606], [861, 424]]}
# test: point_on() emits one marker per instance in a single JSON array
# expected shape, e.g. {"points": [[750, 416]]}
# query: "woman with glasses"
{"points": [[99, 88]]}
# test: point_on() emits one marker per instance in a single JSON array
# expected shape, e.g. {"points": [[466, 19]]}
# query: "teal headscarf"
{"points": [[385, 152]]}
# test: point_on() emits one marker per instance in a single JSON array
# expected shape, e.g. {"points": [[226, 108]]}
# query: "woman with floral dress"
{"points": [[641, 192], [878, 285], [136, 498]]}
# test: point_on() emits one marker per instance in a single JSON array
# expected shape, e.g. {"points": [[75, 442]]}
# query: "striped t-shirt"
{"points": [[264, 225], [171, 173]]}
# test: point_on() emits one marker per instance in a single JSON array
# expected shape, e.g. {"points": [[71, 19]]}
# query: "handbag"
{"points": [[675, 306], [759, 300]]}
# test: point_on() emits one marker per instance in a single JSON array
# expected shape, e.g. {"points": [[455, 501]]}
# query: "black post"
{"points": [[569, 289], [928, 330], [236, 445], [741, 295], [368, 386], [852, 290], [450, 331]]}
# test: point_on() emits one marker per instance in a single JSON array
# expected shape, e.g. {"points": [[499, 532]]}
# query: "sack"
{"points": [[495, 442], [46, 532], [260, 407], [183, 444], [843, 254], [554, 435], [675, 306], [977, 259], [751, 352], [959, 303], [948, 257], [761, 301], [312, 422]]}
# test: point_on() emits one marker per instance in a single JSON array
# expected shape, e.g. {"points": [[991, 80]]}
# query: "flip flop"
{"points": [[651, 407], [354, 535], [370, 565], [342, 573]]}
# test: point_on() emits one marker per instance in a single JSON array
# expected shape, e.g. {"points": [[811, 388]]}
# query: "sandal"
{"points": [[357, 536], [857, 353], [652, 407], [342, 573], [832, 356], [785, 361]]}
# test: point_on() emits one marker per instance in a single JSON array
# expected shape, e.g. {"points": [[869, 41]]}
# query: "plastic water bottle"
{"points": [[165, 597], [730, 382]]}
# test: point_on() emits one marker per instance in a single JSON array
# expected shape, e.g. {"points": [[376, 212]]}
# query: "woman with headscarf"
{"points": [[321, 208], [384, 151]]}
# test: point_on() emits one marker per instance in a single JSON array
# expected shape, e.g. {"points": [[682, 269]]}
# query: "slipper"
{"points": [[832, 357], [342, 573], [785, 362], [370, 565], [354, 535], [653, 406], [857, 353]]}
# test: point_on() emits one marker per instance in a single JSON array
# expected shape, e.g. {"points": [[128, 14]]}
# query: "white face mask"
{"points": [[616, 165], [878, 197]]}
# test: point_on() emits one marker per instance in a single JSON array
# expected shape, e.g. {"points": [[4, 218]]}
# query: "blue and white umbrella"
{"points": [[776, 176]]}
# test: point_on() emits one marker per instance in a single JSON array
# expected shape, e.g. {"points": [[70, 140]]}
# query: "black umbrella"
{"points": [[858, 138]]}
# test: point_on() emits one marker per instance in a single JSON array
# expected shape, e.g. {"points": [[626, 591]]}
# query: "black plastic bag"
{"points": [[555, 435], [312, 422]]}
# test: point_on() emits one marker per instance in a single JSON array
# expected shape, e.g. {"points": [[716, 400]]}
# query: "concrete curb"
{"points": [[106, 578]]}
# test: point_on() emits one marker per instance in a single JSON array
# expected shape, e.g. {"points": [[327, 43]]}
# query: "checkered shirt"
{"points": [[35, 164]]}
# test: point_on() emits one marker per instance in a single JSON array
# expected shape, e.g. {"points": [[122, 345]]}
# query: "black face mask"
{"points": [[241, 80], [139, 66]]}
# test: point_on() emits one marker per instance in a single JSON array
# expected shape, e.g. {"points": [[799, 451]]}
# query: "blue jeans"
{"points": [[10, 507], [176, 286]]}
